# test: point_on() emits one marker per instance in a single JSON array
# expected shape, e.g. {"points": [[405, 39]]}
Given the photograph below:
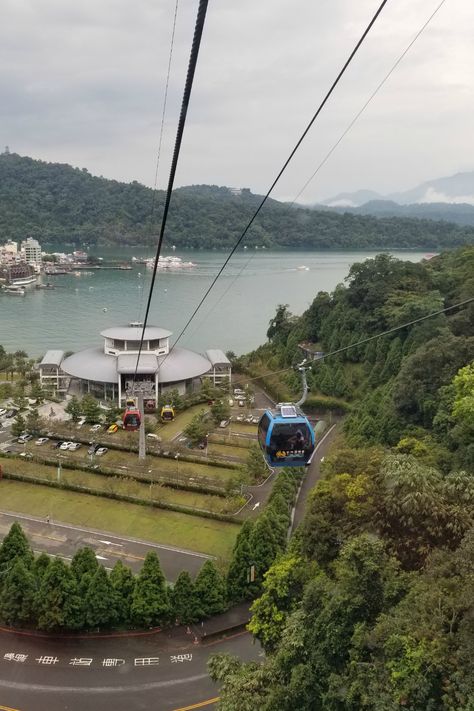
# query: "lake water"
{"points": [[234, 317]]}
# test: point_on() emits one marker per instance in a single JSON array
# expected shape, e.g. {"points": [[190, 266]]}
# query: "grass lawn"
{"points": [[160, 466], [169, 430], [117, 485], [227, 450], [244, 428], [167, 527]]}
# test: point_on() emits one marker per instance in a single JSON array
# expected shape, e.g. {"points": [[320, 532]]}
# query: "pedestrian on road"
{"points": [[47, 518]]}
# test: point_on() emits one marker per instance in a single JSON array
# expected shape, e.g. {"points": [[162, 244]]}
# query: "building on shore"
{"points": [[108, 372], [31, 249]]}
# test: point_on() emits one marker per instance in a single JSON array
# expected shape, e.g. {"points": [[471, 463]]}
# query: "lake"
{"points": [[234, 317]]}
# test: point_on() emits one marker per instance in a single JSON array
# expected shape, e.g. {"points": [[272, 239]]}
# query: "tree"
{"points": [[255, 465], [123, 584], [33, 421], [264, 545], [210, 590], [90, 409], [150, 603], [100, 609], [197, 429], [280, 325], [84, 561], [239, 573], [15, 547], [18, 594], [184, 603], [74, 409], [58, 603], [19, 425], [220, 410]]}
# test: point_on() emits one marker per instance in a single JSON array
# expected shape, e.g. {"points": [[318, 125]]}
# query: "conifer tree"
{"points": [[238, 576], [58, 603], [184, 602], [100, 611], [210, 590], [18, 593], [84, 561], [15, 547], [150, 602], [123, 584]]}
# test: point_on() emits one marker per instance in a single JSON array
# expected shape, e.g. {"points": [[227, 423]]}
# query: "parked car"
{"points": [[11, 412], [113, 428], [74, 445], [26, 455], [102, 450], [25, 437], [95, 428], [241, 403], [80, 422], [240, 398], [65, 445], [42, 440], [58, 444], [152, 435], [93, 448], [224, 423], [239, 391]]}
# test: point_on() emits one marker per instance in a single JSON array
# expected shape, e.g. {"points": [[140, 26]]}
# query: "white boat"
{"points": [[14, 289], [303, 268], [169, 263], [24, 281]]}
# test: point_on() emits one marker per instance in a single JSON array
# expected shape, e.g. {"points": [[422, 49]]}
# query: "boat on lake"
{"points": [[169, 263], [24, 281], [14, 289]]}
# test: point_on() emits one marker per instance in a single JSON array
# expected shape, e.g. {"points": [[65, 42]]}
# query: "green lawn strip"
{"points": [[225, 450], [244, 428], [156, 525], [233, 440], [169, 430], [118, 485], [117, 459]]}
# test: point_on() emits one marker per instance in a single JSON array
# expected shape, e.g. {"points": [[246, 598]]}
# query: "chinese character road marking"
{"points": [[47, 660], [181, 658], [147, 661], [81, 661], [12, 657], [113, 662]]}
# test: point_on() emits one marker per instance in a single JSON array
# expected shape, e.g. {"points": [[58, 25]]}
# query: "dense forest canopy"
{"points": [[372, 604], [57, 203]]}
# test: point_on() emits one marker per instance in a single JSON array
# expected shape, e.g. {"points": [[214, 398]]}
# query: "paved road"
{"points": [[63, 540], [159, 672]]}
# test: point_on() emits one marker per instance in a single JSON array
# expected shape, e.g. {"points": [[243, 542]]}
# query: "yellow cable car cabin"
{"points": [[167, 413]]}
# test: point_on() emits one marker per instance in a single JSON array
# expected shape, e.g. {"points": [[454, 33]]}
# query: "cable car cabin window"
{"points": [[262, 430], [290, 438]]}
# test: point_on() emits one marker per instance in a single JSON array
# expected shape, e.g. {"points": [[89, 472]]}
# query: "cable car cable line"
{"points": [[285, 165], [160, 140], [364, 340], [198, 30], [335, 145], [372, 96]]}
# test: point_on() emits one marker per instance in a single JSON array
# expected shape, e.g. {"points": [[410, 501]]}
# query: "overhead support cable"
{"points": [[198, 30], [286, 163], [366, 340]]}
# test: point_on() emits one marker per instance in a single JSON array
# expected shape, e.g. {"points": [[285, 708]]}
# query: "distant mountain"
{"points": [[59, 204], [456, 189], [460, 214]]}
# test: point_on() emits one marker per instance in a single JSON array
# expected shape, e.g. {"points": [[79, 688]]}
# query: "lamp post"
{"points": [[59, 471], [207, 448], [177, 467]]}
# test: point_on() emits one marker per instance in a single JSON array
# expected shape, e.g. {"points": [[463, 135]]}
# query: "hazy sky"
{"points": [[83, 83]]}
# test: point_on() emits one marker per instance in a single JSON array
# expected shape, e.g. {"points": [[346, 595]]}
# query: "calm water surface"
{"points": [[234, 317]]}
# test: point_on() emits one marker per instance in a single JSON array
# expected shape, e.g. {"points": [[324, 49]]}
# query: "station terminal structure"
{"points": [[108, 371]]}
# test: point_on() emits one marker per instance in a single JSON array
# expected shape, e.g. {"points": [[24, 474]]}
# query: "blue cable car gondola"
{"points": [[286, 436], [131, 417]]}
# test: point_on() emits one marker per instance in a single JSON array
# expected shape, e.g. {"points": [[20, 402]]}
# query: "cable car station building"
{"points": [[108, 371]]}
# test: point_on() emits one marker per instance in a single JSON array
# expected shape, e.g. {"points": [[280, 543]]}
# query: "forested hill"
{"points": [[57, 203], [371, 605]]}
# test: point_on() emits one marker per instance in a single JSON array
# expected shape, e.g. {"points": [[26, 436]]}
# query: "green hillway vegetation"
{"points": [[44, 593], [371, 606], [56, 203]]}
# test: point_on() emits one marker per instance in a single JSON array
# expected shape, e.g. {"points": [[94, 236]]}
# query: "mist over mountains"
{"points": [[450, 198]]}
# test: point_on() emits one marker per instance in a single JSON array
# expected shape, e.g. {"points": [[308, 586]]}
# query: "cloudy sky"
{"points": [[83, 83]]}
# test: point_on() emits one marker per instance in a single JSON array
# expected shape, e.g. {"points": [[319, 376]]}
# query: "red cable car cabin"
{"points": [[131, 418]]}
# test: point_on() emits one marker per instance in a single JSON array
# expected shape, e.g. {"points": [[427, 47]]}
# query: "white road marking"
{"points": [[100, 557], [111, 543], [256, 506]]}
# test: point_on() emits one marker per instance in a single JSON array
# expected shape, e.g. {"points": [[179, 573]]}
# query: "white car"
{"points": [[95, 428], [65, 445], [73, 446], [239, 391], [224, 423], [42, 440], [102, 450]]}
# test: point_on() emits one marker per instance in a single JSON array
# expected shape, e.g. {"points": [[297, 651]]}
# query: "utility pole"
{"points": [[141, 433]]}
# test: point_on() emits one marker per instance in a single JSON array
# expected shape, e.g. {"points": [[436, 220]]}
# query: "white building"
{"points": [[9, 253], [31, 249], [109, 371]]}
